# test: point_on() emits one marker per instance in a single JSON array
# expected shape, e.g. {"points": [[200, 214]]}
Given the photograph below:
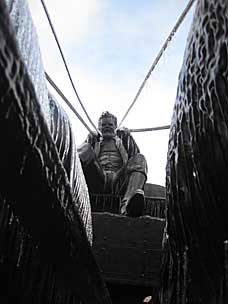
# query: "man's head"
{"points": [[107, 124]]}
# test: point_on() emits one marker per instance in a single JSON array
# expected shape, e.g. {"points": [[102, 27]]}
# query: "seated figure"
{"points": [[112, 164]]}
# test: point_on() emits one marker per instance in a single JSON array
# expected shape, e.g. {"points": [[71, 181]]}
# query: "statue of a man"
{"points": [[112, 163]]}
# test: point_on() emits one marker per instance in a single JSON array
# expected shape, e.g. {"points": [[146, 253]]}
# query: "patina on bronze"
{"points": [[112, 163]]}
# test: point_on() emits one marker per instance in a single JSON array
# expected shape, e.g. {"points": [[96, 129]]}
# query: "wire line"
{"points": [[168, 40], [65, 64], [67, 101], [150, 129]]}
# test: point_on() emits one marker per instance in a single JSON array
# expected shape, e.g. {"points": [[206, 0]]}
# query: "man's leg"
{"points": [[134, 201]]}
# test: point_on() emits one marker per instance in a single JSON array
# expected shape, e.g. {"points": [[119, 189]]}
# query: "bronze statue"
{"points": [[112, 164]]}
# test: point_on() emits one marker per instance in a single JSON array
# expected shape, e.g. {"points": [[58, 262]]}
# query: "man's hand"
{"points": [[93, 137]]}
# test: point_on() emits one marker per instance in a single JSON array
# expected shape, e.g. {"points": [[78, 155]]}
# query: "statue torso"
{"points": [[109, 156]]}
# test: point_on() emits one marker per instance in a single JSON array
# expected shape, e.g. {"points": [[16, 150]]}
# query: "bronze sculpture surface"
{"points": [[112, 163]]}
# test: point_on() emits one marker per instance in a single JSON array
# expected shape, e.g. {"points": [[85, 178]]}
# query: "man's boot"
{"points": [[133, 202]]}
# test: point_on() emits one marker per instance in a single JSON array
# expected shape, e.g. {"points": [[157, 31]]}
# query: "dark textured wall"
{"points": [[197, 166], [45, 254]]}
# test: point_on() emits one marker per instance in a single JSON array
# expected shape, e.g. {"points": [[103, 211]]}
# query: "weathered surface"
{"points": [[197, 168], [28, 45], [129, 250], [63, 137], [55, 117], [43, 241], [131, 253]]}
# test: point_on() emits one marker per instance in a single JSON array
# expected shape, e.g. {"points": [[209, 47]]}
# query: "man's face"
{"points": [[107, 127]]}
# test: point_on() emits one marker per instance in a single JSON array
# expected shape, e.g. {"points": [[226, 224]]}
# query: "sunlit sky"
{"points": [[109, 46]]}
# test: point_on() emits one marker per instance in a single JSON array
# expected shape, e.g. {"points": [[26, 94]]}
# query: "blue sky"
{"points": [[109, 46]]}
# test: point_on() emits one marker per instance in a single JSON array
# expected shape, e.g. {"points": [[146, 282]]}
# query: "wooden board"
{"points": [[129, 250]]}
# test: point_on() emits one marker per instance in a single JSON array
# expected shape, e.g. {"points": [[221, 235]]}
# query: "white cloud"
{"points": [[71, 19]]}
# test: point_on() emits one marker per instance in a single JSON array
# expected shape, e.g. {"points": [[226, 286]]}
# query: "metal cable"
{"points": [[65, 64], [52, 83], [150, 129], [168, 40], [67, 101]]}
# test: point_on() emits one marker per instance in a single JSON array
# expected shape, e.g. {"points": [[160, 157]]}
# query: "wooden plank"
{"points": [[129, 250]]}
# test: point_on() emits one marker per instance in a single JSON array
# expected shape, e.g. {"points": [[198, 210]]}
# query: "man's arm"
{"points": [[86, 149]]}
